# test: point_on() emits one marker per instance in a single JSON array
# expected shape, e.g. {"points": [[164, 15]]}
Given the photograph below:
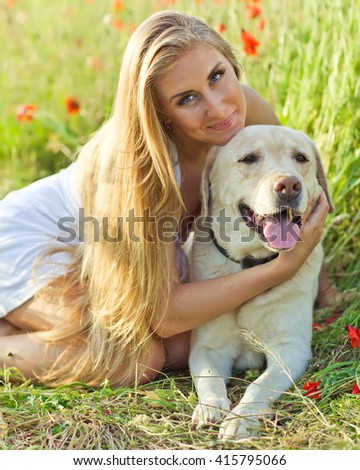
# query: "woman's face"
{"points": [[201, 98]]}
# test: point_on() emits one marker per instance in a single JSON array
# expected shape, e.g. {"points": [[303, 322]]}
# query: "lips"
{"points": [[224, 125]]}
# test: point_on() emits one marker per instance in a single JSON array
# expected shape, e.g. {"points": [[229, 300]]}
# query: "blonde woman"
{"points": [[109, 300]]}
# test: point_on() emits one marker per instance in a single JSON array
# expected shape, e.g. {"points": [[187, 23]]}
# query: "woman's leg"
{"points": [[37, 315], [177, 351], [28, 353], [328, 295], [7, 329], [21, 337], [22, 342]]}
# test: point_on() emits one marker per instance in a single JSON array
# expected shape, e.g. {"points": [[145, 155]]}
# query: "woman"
{"points": [[109, 302]]}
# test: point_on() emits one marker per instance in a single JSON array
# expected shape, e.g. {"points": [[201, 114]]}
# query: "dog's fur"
{"points": [[264, 168]]}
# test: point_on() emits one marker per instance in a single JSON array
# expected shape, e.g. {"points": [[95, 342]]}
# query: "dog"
{"points": [[254, 192]]}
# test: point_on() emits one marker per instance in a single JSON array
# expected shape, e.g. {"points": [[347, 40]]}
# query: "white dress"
{"points": [[34, 219]]}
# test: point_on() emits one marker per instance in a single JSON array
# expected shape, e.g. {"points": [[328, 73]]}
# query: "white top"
{"points": [[31, 220]]}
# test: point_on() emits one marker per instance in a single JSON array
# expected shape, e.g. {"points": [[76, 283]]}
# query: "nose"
{"points": [[215, 108], [287, 187]]}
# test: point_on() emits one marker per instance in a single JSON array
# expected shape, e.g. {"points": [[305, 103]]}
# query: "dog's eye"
{"points": [[300, 157], [251, 158]]}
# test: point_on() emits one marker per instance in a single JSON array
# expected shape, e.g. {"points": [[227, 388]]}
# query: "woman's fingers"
{"points": [[311, 232], [315, 214], [308, 210], [313, 220]]}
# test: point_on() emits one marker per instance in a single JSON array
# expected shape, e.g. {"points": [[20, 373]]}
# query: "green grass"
{"points": [[308, 68]]}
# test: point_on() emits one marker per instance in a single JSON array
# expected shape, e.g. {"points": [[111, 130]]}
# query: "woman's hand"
{"points": [[310, 235]]}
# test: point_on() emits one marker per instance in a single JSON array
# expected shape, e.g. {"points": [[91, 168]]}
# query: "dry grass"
{"points": [[158, 415]]}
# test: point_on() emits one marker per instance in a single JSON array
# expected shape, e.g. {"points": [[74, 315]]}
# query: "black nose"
{"points": [[287, 187]]}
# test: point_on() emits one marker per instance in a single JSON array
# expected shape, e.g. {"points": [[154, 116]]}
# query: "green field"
{"points": [[307, 65]]}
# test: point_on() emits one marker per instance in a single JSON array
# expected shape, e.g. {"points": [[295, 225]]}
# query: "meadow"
{"points": [[59, 68]]}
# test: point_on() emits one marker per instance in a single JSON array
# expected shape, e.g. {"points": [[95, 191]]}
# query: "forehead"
{"points": [[190, 69]]}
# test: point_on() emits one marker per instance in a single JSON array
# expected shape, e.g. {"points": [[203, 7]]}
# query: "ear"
{"points": [[205, 181], [322, 177]]}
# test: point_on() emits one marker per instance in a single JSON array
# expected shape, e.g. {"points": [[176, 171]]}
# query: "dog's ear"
{"points": [[322, 177], [205, 181]]}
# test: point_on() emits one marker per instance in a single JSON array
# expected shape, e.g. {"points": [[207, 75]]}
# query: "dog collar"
{"points": [[248, 261]]}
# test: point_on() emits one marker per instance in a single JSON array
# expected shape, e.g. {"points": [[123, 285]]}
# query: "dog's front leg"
{"points": [[210, 369], [285, 366]]}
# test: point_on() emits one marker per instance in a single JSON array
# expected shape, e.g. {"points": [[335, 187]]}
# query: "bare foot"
{"points": [[329, 296]]}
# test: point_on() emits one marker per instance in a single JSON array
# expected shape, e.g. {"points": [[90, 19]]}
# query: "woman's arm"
{"points": [[195, 303], [258, 111]]}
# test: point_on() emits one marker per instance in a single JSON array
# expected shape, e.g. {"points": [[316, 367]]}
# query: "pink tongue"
{"points": [[281, 234]]}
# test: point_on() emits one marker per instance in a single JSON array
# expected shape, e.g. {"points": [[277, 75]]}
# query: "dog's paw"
{"points": [[234, 428], [244, 421], [210, 413]]}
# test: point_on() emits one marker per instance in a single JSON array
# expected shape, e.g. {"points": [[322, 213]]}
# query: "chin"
{"points": [[226, 137]]}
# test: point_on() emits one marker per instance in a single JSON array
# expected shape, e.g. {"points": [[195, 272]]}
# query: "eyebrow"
{"points": [[186, 92]]}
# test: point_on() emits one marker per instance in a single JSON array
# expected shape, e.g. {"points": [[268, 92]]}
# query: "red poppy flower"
{"points": [[10, 3], [261, 24], [94, 62], [354, 336], [355, 389], [117, 5], [252, 11], [312, 390], [317, 326], [311, 385], [221, 28], [332, 318], [72, 105], [315, 394], [118, 24], [327, 321], [25, 112], [250, 43]]}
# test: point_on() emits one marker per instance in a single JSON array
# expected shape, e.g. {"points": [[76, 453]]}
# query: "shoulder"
{"points": [[258, 110]]}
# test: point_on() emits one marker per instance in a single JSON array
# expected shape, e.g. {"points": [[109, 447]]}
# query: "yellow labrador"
{"points": [[254, 192]]}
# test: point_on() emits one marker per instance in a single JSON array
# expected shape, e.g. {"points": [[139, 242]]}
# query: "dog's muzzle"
{"points": [[279, 230]]}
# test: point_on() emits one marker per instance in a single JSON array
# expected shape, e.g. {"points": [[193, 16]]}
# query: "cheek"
{"points": [[242, 102], [180, 124], [189, 118], [237, 93]]}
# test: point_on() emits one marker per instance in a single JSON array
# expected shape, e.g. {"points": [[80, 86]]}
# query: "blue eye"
{"points": [[186, 100], [217, 76], [213, 79]]}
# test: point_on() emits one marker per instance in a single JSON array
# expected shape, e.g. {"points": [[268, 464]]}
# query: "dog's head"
{"points": [[265, 176]]}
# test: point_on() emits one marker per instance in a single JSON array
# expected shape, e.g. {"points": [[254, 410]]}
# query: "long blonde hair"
{"points": [[116, 288]]}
